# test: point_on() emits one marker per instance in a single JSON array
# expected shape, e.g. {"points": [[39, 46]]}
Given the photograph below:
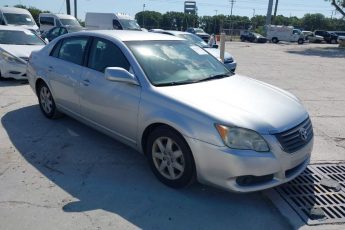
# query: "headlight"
{"points": [[10, 58], [240, 138]]}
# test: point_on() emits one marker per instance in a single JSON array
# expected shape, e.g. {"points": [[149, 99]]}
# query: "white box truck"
{"points": [[50, 20], [284, 33], [110, 21], [18, 17]]}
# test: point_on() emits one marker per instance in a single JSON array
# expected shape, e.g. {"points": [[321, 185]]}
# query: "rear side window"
{"points": [[106, 54], [71, 50], [47, 21]]}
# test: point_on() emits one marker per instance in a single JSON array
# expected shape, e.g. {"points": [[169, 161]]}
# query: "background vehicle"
{"points": [[284, 33], [61, 30], [229, 61], [252, 37], [49, 20], [199, 32], [18, 17], [110, 21], [328, 37], [178, 105], [311, 37], [16, 45]]}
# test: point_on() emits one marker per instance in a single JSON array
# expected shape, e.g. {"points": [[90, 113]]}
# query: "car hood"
{"points": [[20, 50], [241, 101], [216, 53]]}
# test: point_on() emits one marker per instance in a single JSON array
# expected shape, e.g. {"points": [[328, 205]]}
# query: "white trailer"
{"points": [[110, 21], [284, 33]]}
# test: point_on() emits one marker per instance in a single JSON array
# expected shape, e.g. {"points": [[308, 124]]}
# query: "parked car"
{"points": [[110, 21], [18, 17], [339, 33], [200, 33], [178, 105], [229, 61], [252, 37], [284, 33], [16, 45], [328, 37], [60, 30], [50, 20], [311, 37]]}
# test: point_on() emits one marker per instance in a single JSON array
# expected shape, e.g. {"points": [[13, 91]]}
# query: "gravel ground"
{"points": [[63, 175]]}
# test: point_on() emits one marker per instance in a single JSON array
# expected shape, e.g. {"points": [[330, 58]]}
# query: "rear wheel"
{"points": [[275, 40], [333, 41], [243, 39], [46, 101], [300, 41], [1, 78], [170, 158]]}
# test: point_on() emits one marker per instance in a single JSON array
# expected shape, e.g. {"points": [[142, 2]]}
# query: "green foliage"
{"points": [[149, 19], [34, 11]]}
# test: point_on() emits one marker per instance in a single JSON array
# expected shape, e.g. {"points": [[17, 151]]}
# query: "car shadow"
{"points": [[101, 173], [4, 82], [328, 52]]}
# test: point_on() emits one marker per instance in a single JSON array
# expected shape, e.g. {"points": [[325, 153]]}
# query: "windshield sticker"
{"points": [[28, 19], [28, 32], [198, 50]]}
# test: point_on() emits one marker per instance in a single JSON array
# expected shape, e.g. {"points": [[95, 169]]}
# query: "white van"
{"points": [[284, 33], [110, 21], [49, 20], [18, 17]]}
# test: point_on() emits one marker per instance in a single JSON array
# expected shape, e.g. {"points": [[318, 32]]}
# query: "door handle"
{"points": [[86, 82]]}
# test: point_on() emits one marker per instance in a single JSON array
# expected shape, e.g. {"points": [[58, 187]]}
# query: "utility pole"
{"points": [[144, 15], [75, 9], [275, 10], [269, 12], [253, 13], [68, 7], [215, 22], [231, 23]]}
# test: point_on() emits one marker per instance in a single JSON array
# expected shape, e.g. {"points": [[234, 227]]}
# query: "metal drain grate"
{"points": [[307, 196]]}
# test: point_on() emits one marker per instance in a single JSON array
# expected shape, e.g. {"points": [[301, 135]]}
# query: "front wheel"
{"points": [[170, 158], [333, 41], [275, 40], [300, 41], [46, 101]]}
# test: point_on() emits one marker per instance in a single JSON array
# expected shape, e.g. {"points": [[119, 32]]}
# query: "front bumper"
{"points": [[11, 70], [222, 166]]}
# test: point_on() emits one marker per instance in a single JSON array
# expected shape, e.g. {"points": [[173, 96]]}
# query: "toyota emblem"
{"points": [[304, 134]]}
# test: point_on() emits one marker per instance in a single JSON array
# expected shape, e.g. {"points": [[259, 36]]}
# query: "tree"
{"points": [[152, 19], [339, 5], [314, 21]]}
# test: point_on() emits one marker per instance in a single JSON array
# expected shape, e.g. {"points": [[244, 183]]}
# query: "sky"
{"points": [[205, 7]]}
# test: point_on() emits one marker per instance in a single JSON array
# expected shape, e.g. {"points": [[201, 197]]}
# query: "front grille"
{"points": [[228, 60], [297, 137]]}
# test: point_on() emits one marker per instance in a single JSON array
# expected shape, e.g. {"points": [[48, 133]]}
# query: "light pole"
{"points": [[215, 21], [144, 5]]}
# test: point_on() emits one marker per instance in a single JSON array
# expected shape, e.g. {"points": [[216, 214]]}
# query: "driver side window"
{"points": [[105, 54]]}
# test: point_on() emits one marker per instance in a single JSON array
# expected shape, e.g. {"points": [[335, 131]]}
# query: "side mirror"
{"points": [[215, 46], [46, 40], [118, 74]]}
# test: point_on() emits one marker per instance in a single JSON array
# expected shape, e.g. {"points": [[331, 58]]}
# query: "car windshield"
{"points": [[19, 19], [75, 29], [198, 30], [129, 24], [168, 63], [69, 22], [12, 37], [194, 39]]}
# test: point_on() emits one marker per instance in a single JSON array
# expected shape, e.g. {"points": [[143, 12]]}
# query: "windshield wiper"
{"points": [[175, 83], [214, 77]]}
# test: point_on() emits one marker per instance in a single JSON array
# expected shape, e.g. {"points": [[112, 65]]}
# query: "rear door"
{"points": [[65, 70], [111, 105]]}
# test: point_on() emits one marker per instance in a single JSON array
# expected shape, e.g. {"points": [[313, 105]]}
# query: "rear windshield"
{"points": [[128, 24], [19, 19], [69, 22], [12, 37]]}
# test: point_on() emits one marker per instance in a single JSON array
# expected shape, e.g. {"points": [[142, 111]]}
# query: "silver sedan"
{"points": [[177, 104]]}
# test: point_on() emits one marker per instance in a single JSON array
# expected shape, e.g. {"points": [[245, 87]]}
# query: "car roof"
{"points": [[176, 32], [13, 10], [16, 28], [126, 35], [60, 16]]}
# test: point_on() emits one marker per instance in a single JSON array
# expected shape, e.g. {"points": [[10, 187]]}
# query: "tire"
{"points": [[333, 41], [275, 40], [174, 166], [300, 41], [47, 103], [243, 39]]}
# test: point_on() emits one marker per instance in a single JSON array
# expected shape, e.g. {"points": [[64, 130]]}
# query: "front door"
{"points": [[111, 105]]}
